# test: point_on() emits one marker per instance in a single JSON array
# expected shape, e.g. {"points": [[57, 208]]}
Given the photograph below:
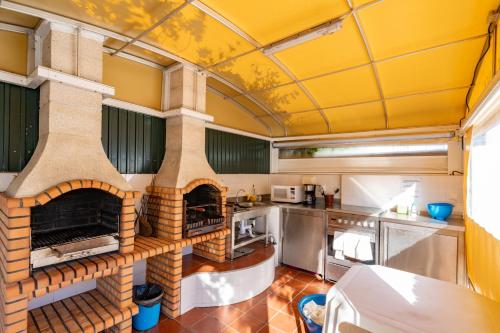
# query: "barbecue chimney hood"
{"points": [[69, 145], [185, 158]]}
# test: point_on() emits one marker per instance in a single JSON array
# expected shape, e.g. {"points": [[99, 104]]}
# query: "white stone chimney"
{"points": [[184, 103], [69, 145]]}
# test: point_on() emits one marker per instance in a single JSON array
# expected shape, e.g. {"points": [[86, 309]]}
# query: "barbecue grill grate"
{"points": [[58, 237]]}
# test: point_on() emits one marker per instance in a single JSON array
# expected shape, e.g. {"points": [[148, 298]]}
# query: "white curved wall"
{"points": [[223, 288]]}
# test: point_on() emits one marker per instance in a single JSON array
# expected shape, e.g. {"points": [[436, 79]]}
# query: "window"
{"points": [[413, 149], [484, 176]]}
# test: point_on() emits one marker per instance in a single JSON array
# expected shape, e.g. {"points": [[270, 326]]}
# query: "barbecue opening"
{"points": [[76, 224], [202, 211]]}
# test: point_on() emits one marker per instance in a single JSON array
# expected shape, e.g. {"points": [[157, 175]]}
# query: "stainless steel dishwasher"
{"points": [[304, 234]]}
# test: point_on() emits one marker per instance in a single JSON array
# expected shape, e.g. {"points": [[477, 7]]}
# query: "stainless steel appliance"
{"points": [[287, 193], [310, 194], [351, 239], [304, 233]]}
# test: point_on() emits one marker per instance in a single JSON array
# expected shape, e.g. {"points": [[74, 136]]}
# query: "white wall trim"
{"points": [[188, 113], [15, 28], [13, 78], [41, 74], [132, 107], [237, 131]]}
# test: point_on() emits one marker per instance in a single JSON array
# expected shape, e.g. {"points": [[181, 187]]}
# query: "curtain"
{"points": [[484, 176]]}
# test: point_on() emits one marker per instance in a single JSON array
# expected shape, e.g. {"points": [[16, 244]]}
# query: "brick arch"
{"points": [[203, 181], [64, 187]]}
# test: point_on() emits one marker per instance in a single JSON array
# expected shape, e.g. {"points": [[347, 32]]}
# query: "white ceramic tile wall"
{"points": [[384, 191], [62, 293], [245, 182], [329, 182]]}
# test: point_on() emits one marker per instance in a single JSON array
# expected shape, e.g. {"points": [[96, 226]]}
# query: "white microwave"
{"points": [[285, 193]]}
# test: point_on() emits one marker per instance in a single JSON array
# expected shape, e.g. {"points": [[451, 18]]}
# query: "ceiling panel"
{"points": [[305, 123], [127, 17], [276, 129], [7, 16], [339, 50], [361, 117], [228, 114], [446, 67], [353, 86], [252, 72], [243, 100], [197, 37], [289, 98], [148, 55], [138, 52], [394, 26], [223, 88], [268, 21], [445, 108]]}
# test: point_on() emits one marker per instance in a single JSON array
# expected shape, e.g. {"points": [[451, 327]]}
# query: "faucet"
{"points": [[237, 195]]}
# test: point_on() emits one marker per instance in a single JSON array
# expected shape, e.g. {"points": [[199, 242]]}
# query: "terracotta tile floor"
{"points": [[274, 310]]}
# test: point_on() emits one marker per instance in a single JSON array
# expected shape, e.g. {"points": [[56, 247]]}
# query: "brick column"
{"points": [[118, 290], [163, 210]]}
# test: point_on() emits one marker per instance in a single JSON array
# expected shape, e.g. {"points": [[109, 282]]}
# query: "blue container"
{"points": [[148, 298], [440, 210], [319, 299]]}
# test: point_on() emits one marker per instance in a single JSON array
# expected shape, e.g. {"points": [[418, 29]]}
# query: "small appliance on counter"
{"points": [[287, 193], [309, 194]]}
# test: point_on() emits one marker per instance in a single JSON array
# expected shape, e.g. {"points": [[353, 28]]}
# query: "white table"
{"points": [[382, 299]]}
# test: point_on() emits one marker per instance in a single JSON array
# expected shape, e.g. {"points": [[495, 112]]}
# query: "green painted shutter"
{"points": [[18, 126], [232, 153], [134, 142]]}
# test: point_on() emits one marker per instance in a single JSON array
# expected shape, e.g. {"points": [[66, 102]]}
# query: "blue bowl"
{"points": [[439, 210], [320, 299]]}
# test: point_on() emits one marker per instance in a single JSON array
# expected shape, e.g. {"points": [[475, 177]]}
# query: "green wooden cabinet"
{"points": [[134, 142], [18, 126], [232, 153]]}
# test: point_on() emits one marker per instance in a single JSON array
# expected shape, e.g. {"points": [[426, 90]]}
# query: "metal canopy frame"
{"points": [[276, 116]]}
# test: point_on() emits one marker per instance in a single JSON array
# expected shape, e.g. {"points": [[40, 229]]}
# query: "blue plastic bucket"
{"points": [[148, 298], [319, 299]]}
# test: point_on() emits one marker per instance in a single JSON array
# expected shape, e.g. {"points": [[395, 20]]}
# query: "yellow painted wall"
{"points": [[230, 115], [13, 54], [482, 249], [134, 82]]}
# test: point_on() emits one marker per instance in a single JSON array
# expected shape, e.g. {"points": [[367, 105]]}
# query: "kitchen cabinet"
{"points": [[304, 233], [433, 252]]}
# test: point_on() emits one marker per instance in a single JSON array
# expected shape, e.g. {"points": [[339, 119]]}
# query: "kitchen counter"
{"points": [[455, 224]]}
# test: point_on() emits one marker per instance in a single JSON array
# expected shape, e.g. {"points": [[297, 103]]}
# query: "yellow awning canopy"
{"points": [[393, 63]]}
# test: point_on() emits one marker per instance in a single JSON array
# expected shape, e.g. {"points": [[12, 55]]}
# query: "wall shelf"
{"points": [[86, 312], [52, 278]]}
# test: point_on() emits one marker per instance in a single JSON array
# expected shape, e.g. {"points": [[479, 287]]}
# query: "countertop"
{"points": [[454, 223]]}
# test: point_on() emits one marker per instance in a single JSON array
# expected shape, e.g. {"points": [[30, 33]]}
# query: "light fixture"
{"points": [[304, 36]]}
